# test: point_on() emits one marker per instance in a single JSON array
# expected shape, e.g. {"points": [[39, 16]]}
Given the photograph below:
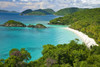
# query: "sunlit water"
{"points": [[32, 39]]}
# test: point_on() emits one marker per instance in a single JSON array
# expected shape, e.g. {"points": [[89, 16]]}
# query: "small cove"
{"points": [[32, 39]]}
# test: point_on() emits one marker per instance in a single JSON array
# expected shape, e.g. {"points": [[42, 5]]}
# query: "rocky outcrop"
{"points": [[40, 26], [37, 26], [31, 25], [12, 23]]}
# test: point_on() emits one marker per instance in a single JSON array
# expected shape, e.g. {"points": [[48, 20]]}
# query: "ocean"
{"points": [[32, 39]]}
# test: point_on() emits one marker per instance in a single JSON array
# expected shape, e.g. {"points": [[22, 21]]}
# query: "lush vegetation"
{"points": [[87, 21], [38, 12], [62, 55], [16, 58], [67, 11], [12, 23]]}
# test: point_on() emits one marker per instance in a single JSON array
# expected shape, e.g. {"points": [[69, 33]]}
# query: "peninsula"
{"points": [[86, 21]]}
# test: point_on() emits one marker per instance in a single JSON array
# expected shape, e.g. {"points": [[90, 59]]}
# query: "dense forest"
{"points": [[62, 55], [87, 21], [67, 11]]}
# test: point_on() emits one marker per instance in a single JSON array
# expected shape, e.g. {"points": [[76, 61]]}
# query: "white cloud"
{"points": [[24, 0], [91, 1], [54, 4], [30, 5], [14, 0], [4, 4]]}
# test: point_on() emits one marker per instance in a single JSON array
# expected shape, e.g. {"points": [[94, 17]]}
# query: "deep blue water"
{"points": [[31, 38]]}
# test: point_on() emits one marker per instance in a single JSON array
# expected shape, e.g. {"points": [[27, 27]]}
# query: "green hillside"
{"points": [[67, 11], [38, 12], [4, 11], [87, 21]]}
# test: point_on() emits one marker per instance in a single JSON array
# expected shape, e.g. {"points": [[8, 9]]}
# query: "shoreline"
{"points": [[87, 40]]}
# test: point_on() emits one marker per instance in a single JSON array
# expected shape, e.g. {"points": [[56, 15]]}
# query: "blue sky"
{"points": [[20, 5]]}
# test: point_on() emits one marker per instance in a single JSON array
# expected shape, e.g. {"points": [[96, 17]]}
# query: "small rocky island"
{"points": [[40, 26], [37, 26], [12, 23], [31, 26]]}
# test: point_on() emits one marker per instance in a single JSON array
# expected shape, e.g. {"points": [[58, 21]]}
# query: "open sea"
{"points": [[32, 39]]}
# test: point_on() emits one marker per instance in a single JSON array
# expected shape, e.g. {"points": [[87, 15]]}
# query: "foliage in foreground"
{"points": [[62, 55]]}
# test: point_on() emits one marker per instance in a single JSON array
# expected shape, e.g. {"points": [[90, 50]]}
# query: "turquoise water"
{"points": [[31, 38]]}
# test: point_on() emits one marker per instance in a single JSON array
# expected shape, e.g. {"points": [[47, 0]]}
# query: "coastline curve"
{"points": [[87, 40]]}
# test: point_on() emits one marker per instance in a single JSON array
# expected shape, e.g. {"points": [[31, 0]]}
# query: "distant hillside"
{"points": [[3, 11], [38, 12], [67, 11], [26, 11], [61, 12], [50, 11], [8, 11]]}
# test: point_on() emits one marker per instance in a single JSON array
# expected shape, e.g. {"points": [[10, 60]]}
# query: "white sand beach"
{"points": [[87, 40]]}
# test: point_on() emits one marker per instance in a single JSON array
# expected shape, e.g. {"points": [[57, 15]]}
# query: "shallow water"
{"points": [[31, 38]]}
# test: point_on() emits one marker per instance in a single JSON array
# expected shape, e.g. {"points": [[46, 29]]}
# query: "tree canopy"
{"points": [[72, 54]]}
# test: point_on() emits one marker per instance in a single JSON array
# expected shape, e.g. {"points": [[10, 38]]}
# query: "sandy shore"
{"points": [[87, 40]]}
